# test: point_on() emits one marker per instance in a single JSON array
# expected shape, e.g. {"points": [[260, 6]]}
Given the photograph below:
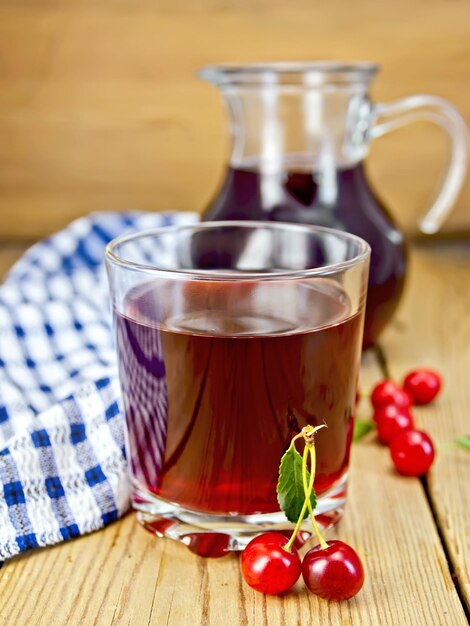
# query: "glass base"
{"points": [[214, 535]]}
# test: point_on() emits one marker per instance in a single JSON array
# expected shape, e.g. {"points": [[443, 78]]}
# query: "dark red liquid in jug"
{"points": [[342, 200]]}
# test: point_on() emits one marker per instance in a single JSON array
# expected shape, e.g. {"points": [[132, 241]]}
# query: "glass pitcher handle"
{"points": [[387, 117]]}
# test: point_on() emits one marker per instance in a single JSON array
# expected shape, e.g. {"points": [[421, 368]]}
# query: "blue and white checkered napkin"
{"points": [[62, 465]]}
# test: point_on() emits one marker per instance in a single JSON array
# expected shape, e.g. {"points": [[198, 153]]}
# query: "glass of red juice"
{"points": [[232, 336]]}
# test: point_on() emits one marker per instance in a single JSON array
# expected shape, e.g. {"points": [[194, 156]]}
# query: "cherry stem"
{"points": [[308, 433], [308, 493], [313, 464]]}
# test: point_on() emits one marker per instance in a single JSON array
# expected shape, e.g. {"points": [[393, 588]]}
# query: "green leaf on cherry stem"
{"points": [[290, 488], [463, 442], [361, 428]]}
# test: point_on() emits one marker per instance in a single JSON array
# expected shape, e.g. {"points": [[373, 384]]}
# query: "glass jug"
{"points": [[300, 133]]}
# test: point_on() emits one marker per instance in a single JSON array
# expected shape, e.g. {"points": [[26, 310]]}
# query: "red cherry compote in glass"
{"points": [[213, 396]]}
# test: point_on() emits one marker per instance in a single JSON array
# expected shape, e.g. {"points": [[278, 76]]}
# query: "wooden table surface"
{"points": [[101, 108], [414, 536]]}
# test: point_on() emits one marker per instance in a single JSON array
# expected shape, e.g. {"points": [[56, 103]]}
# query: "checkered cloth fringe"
{"points": [[62, 464]]}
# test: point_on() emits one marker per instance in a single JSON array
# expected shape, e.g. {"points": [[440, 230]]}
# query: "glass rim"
{"points": [[113, 257], [302, 73]]}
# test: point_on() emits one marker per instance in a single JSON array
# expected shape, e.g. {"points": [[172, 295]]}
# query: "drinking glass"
{"points": [[231, 337]]}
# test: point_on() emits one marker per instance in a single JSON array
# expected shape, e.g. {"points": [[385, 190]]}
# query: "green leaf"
{"points": [[463, 442], [290, 488], [361, 428]]}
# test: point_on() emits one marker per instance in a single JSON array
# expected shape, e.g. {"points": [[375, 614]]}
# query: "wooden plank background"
{"points": [[100, 107]]}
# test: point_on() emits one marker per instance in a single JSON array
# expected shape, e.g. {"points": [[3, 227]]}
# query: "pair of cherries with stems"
{"points": [[271, 564]]}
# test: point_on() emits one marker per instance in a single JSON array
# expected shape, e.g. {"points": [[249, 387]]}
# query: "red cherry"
{"points": [[388, 392], [423, 385], [412, 453], [391, 421], [267, 566], [334, 573]]}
